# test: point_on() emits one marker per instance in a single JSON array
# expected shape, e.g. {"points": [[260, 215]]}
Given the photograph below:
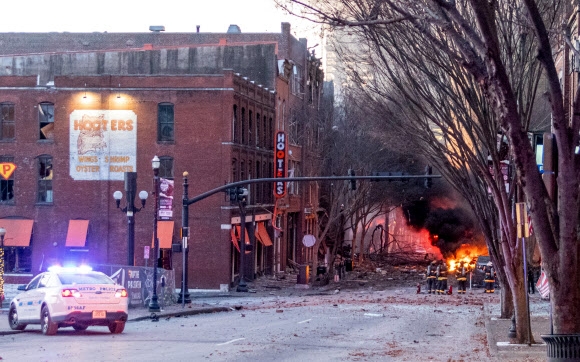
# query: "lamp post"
{"points": [[184, 293], [2, 233], [153, 303], [130, 210]]}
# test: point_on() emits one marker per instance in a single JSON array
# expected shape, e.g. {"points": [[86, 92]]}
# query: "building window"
{"points": [[250, 129], [6, 121], [258, 133], [297, 83], [235, 170], [165, 122], [235, 125], [46, 120], [7, 186], [243, 126], [166, 167], [45, 173]]}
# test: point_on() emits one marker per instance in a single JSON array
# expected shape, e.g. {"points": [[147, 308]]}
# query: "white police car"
{"points": [[70, 297]]}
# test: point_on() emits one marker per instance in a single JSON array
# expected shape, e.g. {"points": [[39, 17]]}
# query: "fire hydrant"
{"points": [[418, 288], [450, 291]]}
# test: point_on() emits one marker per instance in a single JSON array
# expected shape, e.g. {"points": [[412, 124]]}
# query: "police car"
{"points": [[70, 297]]}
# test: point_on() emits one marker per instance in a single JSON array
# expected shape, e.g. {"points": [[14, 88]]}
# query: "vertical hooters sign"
{"points": [[280, 169]]}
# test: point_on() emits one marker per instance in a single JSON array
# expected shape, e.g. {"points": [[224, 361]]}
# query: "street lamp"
{"points": [[241, 194], [2, 233], [130, 210], [153, 303]]}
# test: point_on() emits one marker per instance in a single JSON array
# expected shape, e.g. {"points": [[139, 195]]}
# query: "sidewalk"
{"points": [[497, 329]]}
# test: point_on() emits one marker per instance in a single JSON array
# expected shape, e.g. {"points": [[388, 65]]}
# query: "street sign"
{"points": [[522, 220], [6, 169]]}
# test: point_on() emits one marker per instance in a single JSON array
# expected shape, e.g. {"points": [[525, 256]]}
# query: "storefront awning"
{"points": [[18, 231], [165, 234], [262, 234], [77, 233], [247, 237], [234, 238]]}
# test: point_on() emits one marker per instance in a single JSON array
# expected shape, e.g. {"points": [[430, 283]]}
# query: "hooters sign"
{"points": [[280, 168]]}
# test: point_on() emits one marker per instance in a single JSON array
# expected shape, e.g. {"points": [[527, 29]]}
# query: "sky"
{"points": [[137, 15]]}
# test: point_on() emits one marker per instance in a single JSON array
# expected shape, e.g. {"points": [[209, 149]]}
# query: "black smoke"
{"points": [[448, 228]]}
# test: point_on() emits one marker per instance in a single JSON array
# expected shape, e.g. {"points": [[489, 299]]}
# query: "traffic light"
{"points": [[428, 180], [241, 193], [352, 183]]}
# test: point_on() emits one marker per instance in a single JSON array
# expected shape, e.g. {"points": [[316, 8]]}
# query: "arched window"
{"points": [[258, 129], [243, 126], [165, 122], [250, 128], [235, 125], [46, 120]]}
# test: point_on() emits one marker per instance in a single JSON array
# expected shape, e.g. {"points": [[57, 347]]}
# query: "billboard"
{"points": [[102, 144]]}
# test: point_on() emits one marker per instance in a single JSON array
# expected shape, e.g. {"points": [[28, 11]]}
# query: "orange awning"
{"points": [[18, 231], [234, 238], [262, 234], [247, 237], [77, 233], [165, 234]]}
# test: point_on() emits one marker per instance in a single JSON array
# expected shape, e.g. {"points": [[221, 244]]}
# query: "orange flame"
{"points": [[466, 253]]}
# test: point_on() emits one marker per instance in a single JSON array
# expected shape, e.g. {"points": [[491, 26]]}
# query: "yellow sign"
{"points": [[6, 169], [522, 220]]}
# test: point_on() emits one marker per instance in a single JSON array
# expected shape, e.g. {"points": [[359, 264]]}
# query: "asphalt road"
{"points": [[379, 326]]}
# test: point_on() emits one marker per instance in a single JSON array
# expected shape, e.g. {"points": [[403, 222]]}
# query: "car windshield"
{"points": [[84, 278]]}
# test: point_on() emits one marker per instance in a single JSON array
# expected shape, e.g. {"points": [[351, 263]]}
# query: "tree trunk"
{"points": [[507, 299]]}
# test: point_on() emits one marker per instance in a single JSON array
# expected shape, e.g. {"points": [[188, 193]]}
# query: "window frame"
{"points": [[44, 190], [45, 118], [164, 119], [9, 122], [8, 185], [165, 171]]}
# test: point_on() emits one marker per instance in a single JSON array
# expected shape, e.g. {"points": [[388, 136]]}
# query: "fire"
{"points": [[466, 253]]}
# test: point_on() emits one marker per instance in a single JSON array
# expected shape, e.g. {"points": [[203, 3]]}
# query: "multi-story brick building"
{"points": [[78, 110]]}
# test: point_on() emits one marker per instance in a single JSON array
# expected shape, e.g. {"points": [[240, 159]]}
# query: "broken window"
{"points": [[6, 121], [165, 122], [46, 120], [7, 186], [44, 179]]}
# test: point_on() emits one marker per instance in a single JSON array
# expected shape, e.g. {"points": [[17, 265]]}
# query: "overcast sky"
{"points": [[138, 15]]}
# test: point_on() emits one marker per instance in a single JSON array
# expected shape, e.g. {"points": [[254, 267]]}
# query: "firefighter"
{"points": [[461, 276], [489, 277], [432, 277], [442, 278]]}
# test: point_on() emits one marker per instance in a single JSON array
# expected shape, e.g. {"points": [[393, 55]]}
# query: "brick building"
{"points": [[78, 110]]}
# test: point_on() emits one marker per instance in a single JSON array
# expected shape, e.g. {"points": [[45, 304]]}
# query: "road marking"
{"points": [[232, 341], [308, 320], [374, 315]]}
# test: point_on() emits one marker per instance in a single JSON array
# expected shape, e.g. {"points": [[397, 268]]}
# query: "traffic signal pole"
{"points": [[234, 185]]}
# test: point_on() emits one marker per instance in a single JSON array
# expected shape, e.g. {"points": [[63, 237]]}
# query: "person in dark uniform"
{"points": [[442, 278], [489, 278], [432, 277], [461, 275]]}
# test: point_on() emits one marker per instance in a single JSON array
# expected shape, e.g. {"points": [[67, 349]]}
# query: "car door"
{"points": [[38, 295], [24, 299]]}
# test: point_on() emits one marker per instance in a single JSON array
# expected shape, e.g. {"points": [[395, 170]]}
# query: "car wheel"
{"points": [[47, 326], [80, 327], [13, 319], [116, 327]]}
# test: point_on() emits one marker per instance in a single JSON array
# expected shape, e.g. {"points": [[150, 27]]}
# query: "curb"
{"points": [[153, 316]]}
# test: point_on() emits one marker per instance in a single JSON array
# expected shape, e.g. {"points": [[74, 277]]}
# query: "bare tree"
{"points": [[482, 51]]}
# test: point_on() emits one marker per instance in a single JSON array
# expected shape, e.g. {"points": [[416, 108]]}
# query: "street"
{"points": [[379, 326]]}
